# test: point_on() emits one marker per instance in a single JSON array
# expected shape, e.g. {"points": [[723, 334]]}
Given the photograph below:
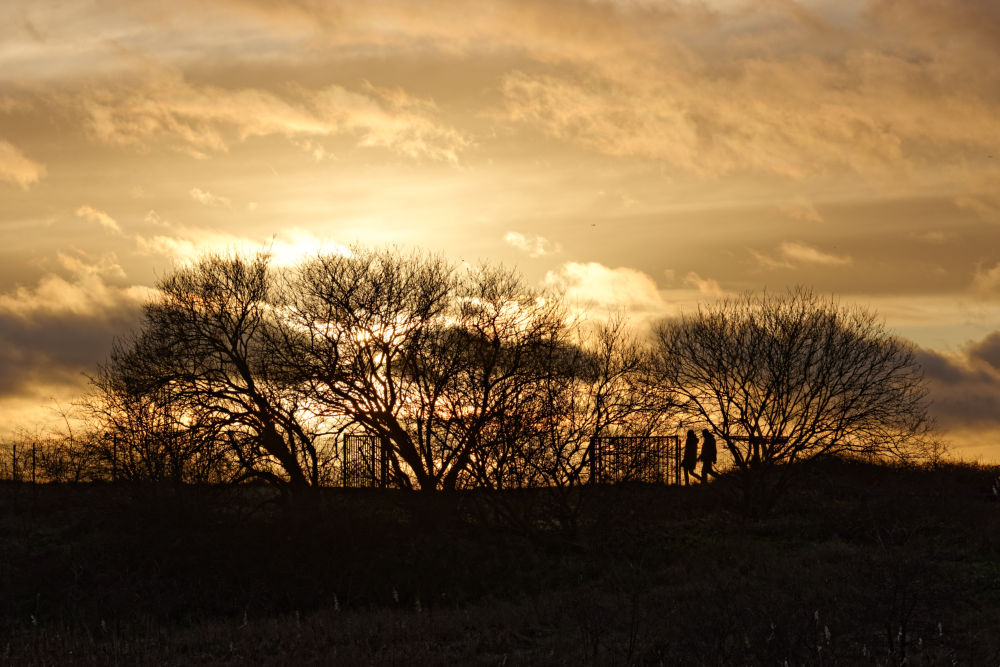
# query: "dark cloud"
{"points": [[965, 389], [942, 18], [56, 348], [987, 350]]}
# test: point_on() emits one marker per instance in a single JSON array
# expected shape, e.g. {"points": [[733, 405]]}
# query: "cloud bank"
{"points": [[965, 386]]}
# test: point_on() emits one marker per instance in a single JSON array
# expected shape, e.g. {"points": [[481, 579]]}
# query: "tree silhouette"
{"points": [[417, 352], [792, 376], [207, 343], [591, 380], [474, 379]]}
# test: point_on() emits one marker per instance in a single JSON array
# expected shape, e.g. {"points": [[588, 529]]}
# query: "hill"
{"points": [[861, 564]]}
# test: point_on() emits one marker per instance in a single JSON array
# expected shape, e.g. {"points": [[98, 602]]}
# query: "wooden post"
{"points": [[33, 446], [13, 462]]}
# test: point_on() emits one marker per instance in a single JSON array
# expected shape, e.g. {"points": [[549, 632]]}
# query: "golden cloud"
{"points": [[703, 285], [208, 199], [806, 254], [986, 206], [534, 245], [203, 119], [713, 88], [186, 245], [775, 89], [17, 168], [801, 209], [795, 118], [92, 214], [987, 279], [82, 287], [792, 254], [594, 285]]}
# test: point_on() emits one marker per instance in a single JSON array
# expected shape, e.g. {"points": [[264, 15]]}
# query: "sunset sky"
{"points": [[648, 154]]}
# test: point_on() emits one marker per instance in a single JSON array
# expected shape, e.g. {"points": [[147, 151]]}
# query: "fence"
{"points": [[19, 462], [365, 462], [41, 460], [651, 459]]}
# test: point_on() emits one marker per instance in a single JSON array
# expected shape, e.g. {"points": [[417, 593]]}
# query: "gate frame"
{"points": [[374, 464], [664, 450]]}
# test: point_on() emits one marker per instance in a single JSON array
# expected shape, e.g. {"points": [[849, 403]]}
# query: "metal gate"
{"points": [[652, 459], [365, 463]]}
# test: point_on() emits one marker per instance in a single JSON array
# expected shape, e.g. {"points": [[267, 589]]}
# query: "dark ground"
{"points": [[860, 565]]}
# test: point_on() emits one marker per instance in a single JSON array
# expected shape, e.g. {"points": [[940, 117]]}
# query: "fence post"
{"points": [[114, 457], [34, 444], [383, 481], [343, 464], [679, 456], [594, 465], [677, 460]]}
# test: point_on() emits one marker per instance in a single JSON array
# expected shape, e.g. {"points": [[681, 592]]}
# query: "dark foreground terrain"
{"points": [[859, 565]]}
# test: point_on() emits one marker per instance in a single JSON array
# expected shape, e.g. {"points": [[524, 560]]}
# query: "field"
{"points": [[860, 564]]}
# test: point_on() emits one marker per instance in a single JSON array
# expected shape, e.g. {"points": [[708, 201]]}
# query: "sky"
{"points": [[639, 154]]}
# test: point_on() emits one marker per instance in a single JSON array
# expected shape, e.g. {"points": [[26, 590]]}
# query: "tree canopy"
{"points": [[472, 378], [790, 376]]}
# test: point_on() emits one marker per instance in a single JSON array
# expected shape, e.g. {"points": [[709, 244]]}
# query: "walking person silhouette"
{"points": [[709, 454], [690, 459]]}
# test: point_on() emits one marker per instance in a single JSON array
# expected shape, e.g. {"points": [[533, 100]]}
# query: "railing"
{"points": [[651, 459], [365, 462]]}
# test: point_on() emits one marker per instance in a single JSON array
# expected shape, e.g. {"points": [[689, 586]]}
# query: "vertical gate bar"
{"points": [[383, 481], [593, 460], [677, 460]]}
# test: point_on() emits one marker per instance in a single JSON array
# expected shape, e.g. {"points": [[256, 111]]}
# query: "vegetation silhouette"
{"points": [[787, 377], [865, 564], [469, 378]]}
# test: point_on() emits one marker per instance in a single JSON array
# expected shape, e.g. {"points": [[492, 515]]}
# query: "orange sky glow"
{"points": [[639, 154]]}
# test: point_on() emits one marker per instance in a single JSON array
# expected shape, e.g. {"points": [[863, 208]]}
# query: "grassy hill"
{"points": [[861, 564]]}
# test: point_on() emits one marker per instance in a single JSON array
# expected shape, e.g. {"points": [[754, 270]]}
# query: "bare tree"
{"points": [[355, 322], [143, 432], [592, 379], [415, 351], [206, 350], [595, 381], [788, 377], [501, 336]]}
